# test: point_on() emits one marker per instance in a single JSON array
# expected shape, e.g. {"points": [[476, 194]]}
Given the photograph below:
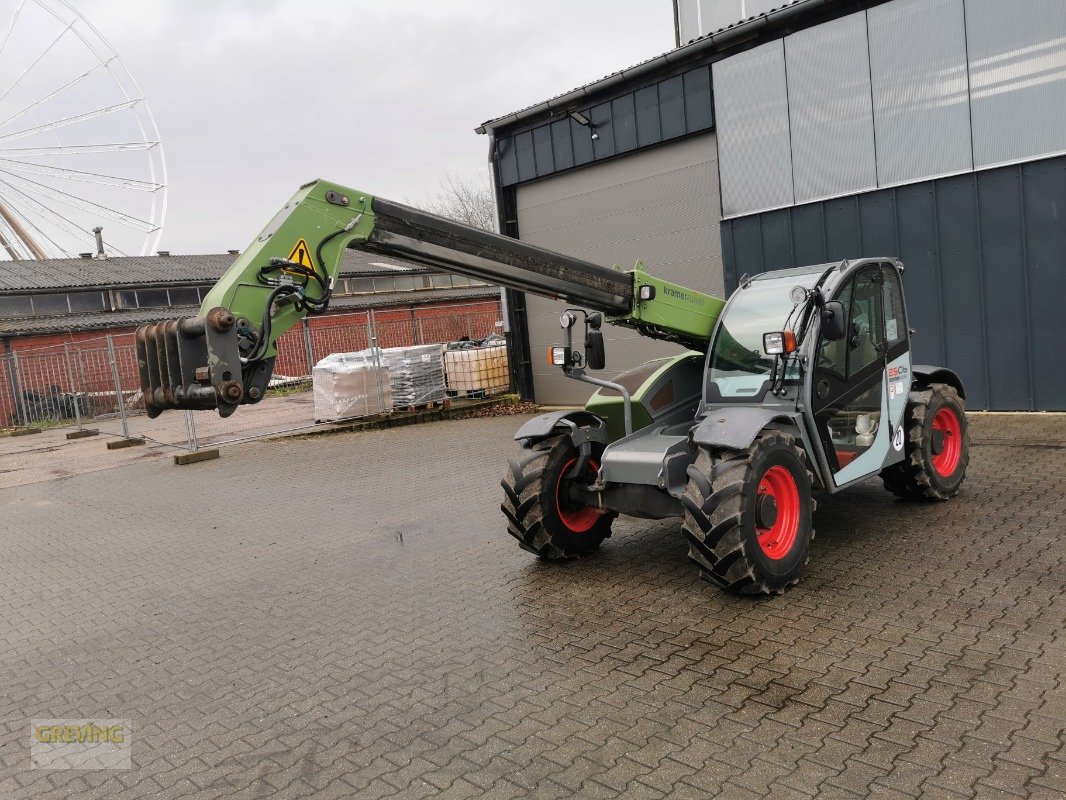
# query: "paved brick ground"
{"points": [[334, 618]]}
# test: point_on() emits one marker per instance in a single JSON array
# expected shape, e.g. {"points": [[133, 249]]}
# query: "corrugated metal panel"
{"points": [[918, 67], [659, 205], [986, 270], [831, 115], [716, 14], [671, 108], [688, 20], [1045, 221], [1017, 78], [751, 111]]}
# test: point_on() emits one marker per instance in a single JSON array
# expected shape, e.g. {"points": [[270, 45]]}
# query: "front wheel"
{"points": [[543, 505], [748, 515], [937, 442]]}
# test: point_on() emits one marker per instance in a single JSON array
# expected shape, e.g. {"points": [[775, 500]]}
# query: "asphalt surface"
{"points": [[346, 617]]}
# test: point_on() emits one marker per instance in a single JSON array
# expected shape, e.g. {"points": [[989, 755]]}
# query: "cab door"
{"points": [[850, 387]]}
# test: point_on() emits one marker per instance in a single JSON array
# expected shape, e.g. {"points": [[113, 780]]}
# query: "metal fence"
{"points": [[95, 382]]}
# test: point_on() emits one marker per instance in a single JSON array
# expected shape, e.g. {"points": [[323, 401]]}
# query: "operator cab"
{"points": [[828, 345]]}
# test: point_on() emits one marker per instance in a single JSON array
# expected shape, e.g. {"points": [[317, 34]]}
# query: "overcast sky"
{"points": [[255, 97]]}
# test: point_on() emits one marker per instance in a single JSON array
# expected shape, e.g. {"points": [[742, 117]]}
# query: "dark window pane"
{"points": [[50, 304], [672, 107], [152, 298], [508, 161], [460, 280], [562, 149], [581, 137], [405, 283], [442, 281], [697, 99], [384, 283], [82, 302], [603, 144], [527, 166], [542, 150], [125, 299], [624, 123], [184, 296], [361, 285], [16, 306], [647, 103]]}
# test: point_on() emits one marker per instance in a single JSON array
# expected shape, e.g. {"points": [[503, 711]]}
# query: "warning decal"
{"points": [[301, 254]]}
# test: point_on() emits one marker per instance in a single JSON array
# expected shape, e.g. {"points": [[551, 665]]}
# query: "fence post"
{"points": [[73, 389], [118, 386], [309, 349], [372, 335], [190, 431], [20, 398], [415, 332], [126, 440]]}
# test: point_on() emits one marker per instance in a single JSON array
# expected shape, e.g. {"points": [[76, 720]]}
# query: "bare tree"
{"points": [[464, 199]]}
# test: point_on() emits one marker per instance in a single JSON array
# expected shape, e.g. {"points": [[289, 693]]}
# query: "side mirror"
{"points": [[595, 357], [833, 321]]}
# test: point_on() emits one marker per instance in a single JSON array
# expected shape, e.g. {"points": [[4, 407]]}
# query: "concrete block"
{"points": [[25, 431], [120, 444], [199, 455], [82, 433]]}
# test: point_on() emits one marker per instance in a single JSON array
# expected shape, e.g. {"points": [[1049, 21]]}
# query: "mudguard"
{"points": [[923, 373], [735, 428], [540, 427]]}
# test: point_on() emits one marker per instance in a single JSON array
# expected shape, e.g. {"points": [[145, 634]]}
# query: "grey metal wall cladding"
{"points": [[831, 117], [985, 256], [921, 106], [671, 108], [751, 113], [1017, 78], [688, 20], [658, 205]]}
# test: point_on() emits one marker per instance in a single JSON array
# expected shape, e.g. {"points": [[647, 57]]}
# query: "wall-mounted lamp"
{"points": [[584, 121]]}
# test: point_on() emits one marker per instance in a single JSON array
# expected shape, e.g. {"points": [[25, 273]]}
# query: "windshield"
{"points": [[739, 367]]}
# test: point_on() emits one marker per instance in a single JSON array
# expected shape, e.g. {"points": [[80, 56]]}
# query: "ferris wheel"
{"points": [[79, 147]]}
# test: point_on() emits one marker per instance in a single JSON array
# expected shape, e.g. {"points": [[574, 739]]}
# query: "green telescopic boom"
{"points": [[224, 357]]}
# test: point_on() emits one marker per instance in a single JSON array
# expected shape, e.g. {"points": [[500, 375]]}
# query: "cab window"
{"points": [[895, 317]]}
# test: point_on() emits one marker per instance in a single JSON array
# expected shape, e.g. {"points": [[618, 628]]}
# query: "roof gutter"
{"points": [[707, 45]]}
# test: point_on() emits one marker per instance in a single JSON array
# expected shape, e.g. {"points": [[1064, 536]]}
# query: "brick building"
{"points": [[56, 317]]}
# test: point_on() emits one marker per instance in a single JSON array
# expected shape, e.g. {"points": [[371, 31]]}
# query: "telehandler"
{"points": [[801, 382]]}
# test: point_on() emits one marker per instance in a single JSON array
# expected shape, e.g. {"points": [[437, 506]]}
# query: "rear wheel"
{"points": [[748, 515], [539, 501], [937, 446]]}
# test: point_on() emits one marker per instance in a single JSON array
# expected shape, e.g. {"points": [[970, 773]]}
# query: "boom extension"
{"points": [[225, 356]]}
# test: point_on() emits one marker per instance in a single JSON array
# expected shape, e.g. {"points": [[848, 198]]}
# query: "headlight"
{"points": [[779, 343], [567, 320]]}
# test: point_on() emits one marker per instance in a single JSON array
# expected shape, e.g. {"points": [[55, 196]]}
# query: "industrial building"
{"points": [[49, 302], [822, 130]]}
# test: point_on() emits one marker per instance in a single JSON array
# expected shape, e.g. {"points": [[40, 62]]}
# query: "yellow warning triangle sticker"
{"points": [[301, 254]]}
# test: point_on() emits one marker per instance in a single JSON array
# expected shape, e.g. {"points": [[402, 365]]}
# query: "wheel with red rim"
{"points": [[543, 501], [936, 446], [748, 514]]}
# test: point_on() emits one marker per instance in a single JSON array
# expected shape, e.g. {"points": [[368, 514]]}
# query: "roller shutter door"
{"points": [[660, 206]]}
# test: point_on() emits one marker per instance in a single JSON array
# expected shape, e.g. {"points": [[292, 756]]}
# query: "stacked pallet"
{"points": [[350, 385], [477, 369], [416, 375]]}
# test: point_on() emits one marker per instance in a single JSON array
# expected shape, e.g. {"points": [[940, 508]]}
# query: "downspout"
{"points": [[514, 325]]}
